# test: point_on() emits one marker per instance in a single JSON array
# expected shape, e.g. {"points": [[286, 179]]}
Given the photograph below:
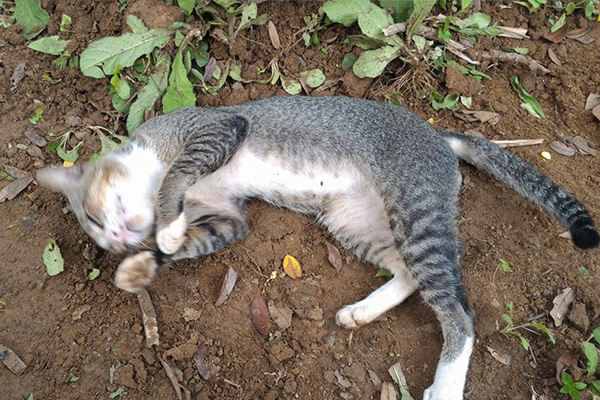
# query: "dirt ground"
{"points": [[67, 324]]}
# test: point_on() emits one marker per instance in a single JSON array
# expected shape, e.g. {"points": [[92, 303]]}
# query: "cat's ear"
{"points": [[60, 179]]}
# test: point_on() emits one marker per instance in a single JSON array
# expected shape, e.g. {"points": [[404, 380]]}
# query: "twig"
{"points": [[148, 318], [518, 142], [175, 382]]}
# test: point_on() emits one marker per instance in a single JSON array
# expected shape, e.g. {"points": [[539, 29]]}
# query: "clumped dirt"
{"points": [[68, 325]]}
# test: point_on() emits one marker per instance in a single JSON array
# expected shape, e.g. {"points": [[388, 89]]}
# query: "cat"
{"points": [[383, 181]]}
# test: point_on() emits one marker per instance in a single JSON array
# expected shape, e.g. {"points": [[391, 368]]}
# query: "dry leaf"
{"points": [[517, 142], [260, 316], [281, 315], [374, 378], [583, 147], [227, 286], [15, 172], [592, 101], [397, 375], [175, 382], [191, 314], [205, 369], [388, 392], [484, 116], [148, 318], [577, 33], [585, 39], [556, 36], [562, 148], [274, 35], [79, 311], [515, 33], [345, 383], [11, 360], [596, 112], [503, 358], [561, 305], [553, 57], [334, 256], [11, 190], [565, 235], [291, 266], [569, 359]]}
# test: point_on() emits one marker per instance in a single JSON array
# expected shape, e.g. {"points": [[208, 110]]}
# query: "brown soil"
{"points": [[45, 322]]}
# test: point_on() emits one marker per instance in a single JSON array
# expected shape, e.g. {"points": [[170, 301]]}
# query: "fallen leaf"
{"points": [[515, 33], [17, 76], [577, 33], [227, 286], [503, 358], [484, 116], [553, 57], [15, 172], [334, 256], [181, 392], [562, 148], [596, 112], [67, 164], [546, 155], [592, 101], [191, 314], [397, 375], [273, 35], [565, 235], [11, 360], [260, 316], [587, 38], [388, 392], [561, 305], [182, 352], [281, 315], [52, 258], [583, 147], [291, 266], [374, 378], [11, 190], [568, 359], [556, 36], [36, 139], [345, 383], [205, 369]]}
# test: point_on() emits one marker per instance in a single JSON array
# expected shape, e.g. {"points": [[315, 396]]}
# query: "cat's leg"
{"points": [[430, 250], [137, 271], [203, 151]]}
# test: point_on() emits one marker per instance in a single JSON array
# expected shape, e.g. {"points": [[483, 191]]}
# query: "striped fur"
{"points": [[381, 180]]}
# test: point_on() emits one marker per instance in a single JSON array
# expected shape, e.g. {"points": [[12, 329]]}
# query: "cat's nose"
{"points": [[117, 236]]}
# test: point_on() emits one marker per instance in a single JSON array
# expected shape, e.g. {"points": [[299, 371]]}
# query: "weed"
{"points": [[532, 326], [38, 116]]}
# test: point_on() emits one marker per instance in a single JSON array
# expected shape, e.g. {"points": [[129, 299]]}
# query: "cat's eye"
{"points": [[93, 220]]}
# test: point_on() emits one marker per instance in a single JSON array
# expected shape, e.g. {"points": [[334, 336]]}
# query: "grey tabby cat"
{"points": [[383, 181]]}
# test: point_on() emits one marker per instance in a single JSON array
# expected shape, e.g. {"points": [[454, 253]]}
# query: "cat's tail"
{"points": [[529, 182]]}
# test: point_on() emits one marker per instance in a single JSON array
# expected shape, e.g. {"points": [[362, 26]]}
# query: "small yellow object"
{"points": [[546, 155], [68, 164], [431, 121], [291, 267]]}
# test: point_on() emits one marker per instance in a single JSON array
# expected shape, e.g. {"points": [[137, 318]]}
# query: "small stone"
{"points": [[578, 317], [316, 314], [28, 223], [148, 356], [290, 386], [279, 352], [190, 314], [79, 311], [38, 163], [36, 139], [73, 121], [329, 376], [15, 172], [124, 376]]}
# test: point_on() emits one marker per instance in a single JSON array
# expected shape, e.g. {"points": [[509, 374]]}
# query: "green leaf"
{"points": [[544, 329], [524, 341], [505, 265], [346, 12], [180, 92], [559, 23], [291, 86], [149, 94], [30, 15], [371, 64], [116, 393], [475, 20], [596, 333], [73, 378], [570, 8], [52, 258], [136, 24], [372, 22], [531, 104], [422, 10], [595, 388], [105, 56], [591, 353], [49, 45], [589, 10], [450, 102], [71, 155], [187, 6], [520, 50], [401, 9], [65, 21], [30, 396], [382, 272], [349, 60], [314, 77], [94, 273]]}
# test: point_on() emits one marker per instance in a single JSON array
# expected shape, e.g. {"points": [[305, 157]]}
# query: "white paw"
{"points": [[136, 272], [355, 315], [171, 238], [433, 393]]}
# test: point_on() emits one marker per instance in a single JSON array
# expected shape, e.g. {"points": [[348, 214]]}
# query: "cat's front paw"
{"points": [[355, 315], [433, 393], [171, 237], [136, 272]]}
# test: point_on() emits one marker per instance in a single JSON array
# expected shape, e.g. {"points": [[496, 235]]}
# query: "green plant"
{"points": [[38, 116], [532, 326], [572, 388], [530, 104]]}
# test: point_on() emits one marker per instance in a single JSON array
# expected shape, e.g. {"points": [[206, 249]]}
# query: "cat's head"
{"points": [[113, 204]]}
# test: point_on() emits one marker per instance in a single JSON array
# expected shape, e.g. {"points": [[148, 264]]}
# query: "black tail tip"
{"points": [[585, 237]]}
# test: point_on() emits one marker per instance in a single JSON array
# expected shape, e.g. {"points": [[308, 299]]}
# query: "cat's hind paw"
{"points": [[136, 272], [171, 238]]}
